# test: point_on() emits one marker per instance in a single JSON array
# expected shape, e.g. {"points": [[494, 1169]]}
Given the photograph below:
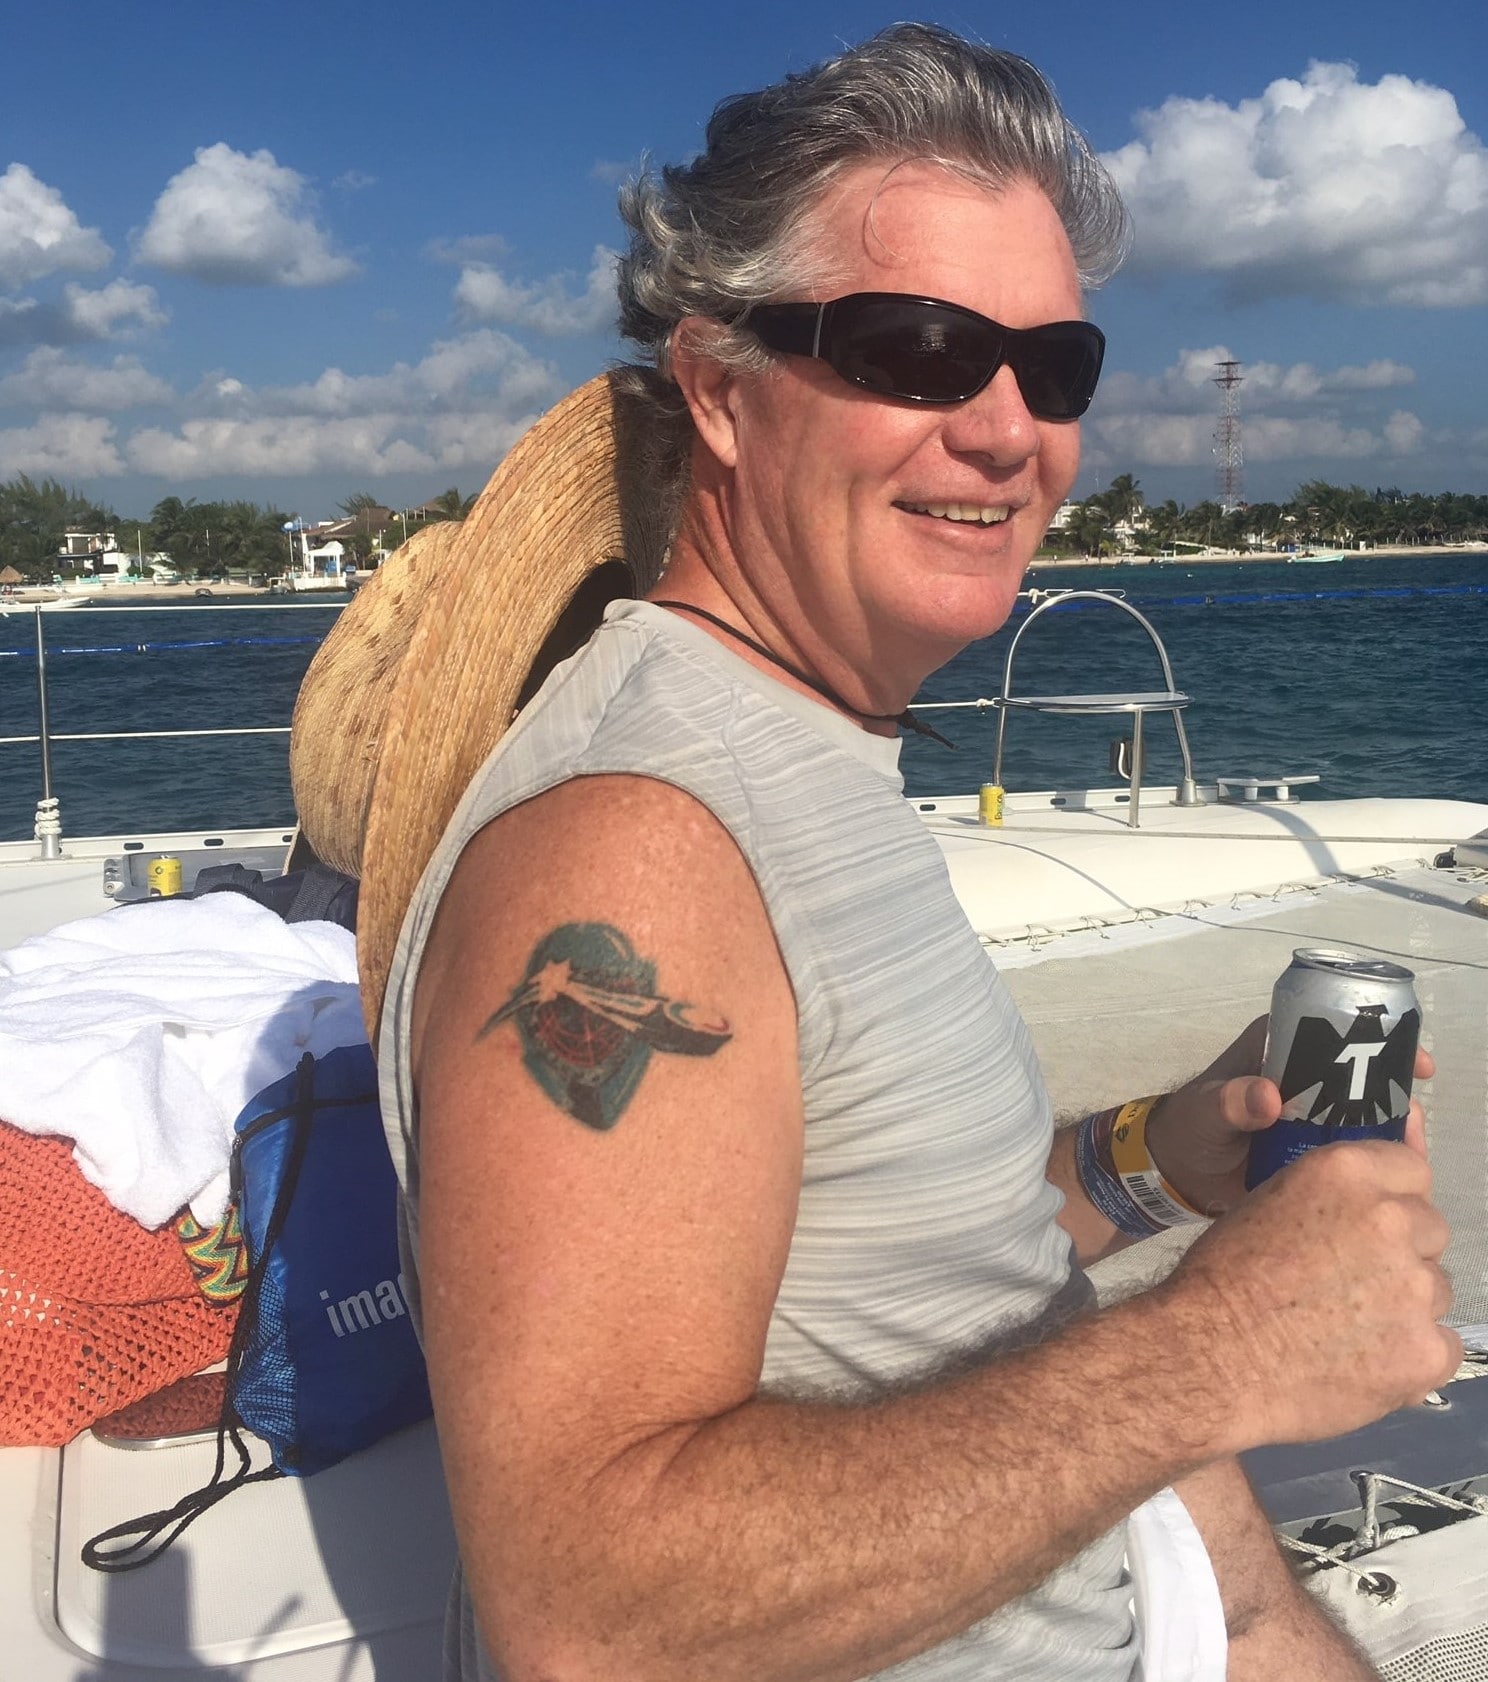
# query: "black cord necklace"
{"points": [[906, 719]]}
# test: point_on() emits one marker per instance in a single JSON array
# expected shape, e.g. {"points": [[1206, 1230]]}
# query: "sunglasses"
{"points": [[928, 351]]}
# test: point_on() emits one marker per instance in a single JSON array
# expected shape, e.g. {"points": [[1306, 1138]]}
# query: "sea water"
{"points": [[1371, 672]]}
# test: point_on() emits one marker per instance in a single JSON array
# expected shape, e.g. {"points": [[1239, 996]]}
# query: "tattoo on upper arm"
{"points": [[589, 1017]]}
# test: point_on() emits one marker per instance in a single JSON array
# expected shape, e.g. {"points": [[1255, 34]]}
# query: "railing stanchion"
{"points": [[48, 812]]}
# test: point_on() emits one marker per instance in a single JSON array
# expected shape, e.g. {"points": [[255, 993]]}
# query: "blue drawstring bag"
{"points": [[324, 1360], [329, 1362]]}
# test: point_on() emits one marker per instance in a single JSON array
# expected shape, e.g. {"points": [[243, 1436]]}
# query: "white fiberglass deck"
{"points": [[341, 1578], [1069, 861]]}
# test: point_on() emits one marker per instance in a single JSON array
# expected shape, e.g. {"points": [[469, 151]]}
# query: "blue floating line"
{"points": [[1249, 598], [158, 647]]}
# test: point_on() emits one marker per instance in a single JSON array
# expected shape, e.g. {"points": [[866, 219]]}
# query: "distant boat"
{"points": [[1310, 555], [47, 604]]}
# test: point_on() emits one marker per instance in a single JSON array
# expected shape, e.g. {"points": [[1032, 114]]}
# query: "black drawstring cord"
{"points": [[906, 720]]}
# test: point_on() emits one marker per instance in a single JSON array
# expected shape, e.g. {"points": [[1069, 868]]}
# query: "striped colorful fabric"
{"points": [[217, 1254]]}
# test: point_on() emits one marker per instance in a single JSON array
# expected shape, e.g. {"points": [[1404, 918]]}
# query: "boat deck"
{"points": [[1069, 861], [1134, 954]]}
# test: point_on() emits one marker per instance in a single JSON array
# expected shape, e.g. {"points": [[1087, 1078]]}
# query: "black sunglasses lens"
{"points": [[904, 348], [1057, 369], [934, 353]]}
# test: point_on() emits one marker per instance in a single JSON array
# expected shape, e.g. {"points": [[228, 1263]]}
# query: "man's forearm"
{"points": [[1276, 1628], [784, 1541]]}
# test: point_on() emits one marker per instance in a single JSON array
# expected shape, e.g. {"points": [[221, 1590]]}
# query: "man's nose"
{"points": [[995, 423]]}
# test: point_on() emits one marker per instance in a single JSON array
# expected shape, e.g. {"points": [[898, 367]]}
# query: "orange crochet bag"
{"points": [[96, 1312]]}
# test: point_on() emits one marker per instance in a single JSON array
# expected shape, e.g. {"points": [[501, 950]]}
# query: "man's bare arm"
{"points": [[597, 1299], [1275, 1627]]}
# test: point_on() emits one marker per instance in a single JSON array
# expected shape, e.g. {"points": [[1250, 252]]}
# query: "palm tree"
{"points": [[33, 517], [1162, 525], [1090, 528], [1122, 499], [1202, 523], [449, 505], [1263, 521]]}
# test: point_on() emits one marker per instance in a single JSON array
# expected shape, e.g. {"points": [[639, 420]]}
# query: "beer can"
{"points": [[1341, 1045], [163, 877], [989, 805]]}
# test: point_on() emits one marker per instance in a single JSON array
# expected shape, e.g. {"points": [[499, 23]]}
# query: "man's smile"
{"points": [[962, 513]]}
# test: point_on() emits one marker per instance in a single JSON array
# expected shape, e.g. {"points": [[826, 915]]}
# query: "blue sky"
{"points": [[292, 252]]}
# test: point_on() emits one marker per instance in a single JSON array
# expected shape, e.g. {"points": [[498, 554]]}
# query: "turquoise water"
{"points": [[1379, 692]]}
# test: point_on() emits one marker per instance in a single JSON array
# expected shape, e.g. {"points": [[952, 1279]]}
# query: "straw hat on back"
{"points": [[433, 657]]}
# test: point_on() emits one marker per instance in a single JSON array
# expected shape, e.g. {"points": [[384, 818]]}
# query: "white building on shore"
{"points": [[92, 561]]}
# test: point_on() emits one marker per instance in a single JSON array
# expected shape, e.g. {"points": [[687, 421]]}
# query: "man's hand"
{"points": [[1200, 1135], [1323, 1291]]}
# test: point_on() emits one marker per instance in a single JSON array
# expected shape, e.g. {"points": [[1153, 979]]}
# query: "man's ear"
{"points": [[709, 387]]}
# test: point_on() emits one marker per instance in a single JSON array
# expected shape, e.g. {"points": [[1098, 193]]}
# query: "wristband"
{"points": [[1118, 1175]]}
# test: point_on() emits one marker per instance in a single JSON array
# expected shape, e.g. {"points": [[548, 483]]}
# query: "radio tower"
{"points": [[1228, 451]]}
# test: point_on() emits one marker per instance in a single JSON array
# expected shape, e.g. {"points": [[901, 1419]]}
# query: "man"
{"points": [[757, 1344]]}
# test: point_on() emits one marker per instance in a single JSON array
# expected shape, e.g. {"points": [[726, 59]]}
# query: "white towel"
{"points": [[142, 1032], [1180, 1617]]}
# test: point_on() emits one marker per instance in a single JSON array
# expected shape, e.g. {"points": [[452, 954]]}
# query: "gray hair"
{"points": [[728, 230]]}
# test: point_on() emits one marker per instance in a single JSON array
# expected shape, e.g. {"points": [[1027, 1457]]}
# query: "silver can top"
{"points": [[1338, 962]]}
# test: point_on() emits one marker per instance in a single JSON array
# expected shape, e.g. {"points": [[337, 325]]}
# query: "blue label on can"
{"points": [[1276, 1146]]}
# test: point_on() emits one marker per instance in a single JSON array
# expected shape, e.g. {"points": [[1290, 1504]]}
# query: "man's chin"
{"points": [[981, 607]]}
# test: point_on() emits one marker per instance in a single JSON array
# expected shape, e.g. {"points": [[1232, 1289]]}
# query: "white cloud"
{"points": [[462, 406], [1373, 376], [478, 371], [1190, 384], [1367, 192], [1188, 440], [1287, 413], [234, 218], [1405, 434], [474, 441], [1290, 438], [102, 313], [39, 235], [547, 306], [1301, 381], [23, 321], [277, 445], [354, 181], [468, 248], [66, 447], [50, 379], [82, 315]]}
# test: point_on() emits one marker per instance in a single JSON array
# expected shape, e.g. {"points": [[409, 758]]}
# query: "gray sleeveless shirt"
{"points": [[925, 1235]]}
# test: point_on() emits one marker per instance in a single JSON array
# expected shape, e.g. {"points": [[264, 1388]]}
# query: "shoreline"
{"points": [[155, 595], [1236, 557]]}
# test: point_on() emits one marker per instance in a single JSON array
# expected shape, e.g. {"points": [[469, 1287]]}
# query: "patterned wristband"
{"points": [[1118, 1175], [1100, 1184], [1143, 1179]]}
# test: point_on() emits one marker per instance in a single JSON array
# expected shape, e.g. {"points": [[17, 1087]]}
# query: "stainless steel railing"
{"points": [[48, 828]]}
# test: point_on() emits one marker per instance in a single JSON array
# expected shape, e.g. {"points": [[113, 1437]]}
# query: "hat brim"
{"points": [[340, 713], [459, 640]]}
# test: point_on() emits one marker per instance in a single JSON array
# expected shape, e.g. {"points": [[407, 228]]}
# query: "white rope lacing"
{"points": [[1372, 1535], [48, 818], [1376, 1583]]}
